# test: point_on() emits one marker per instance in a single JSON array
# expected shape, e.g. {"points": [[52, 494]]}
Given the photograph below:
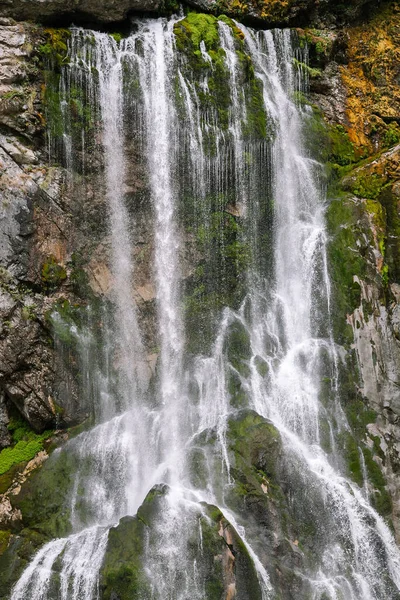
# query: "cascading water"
{"points": [[255, 200]]}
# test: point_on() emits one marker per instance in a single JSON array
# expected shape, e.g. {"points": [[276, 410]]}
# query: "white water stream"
{"points": [[138, 442]]}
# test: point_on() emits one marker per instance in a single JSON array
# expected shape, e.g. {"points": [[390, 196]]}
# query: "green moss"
{"points": [[117, 37], [202, 27], [44, 498], [255, 444], [220, 277], [318, 44], [8, 477], [4, 540], [122, 574], [26, 444], [196, 28], [237, 393], [380, 496], [358, 416], [12, 94], [52, 104], [52, 274], [342, 150], [300, 98], [55, 48], [352, 456], [237, 348], [345, 262], [367, 185], [65, 318], [391, 136], [21, 452], [78, 277], [247, 584], [16, 557], [78, 117], [198, 468], [390, 203], [309, 71], [378, 214], [256, 124]]}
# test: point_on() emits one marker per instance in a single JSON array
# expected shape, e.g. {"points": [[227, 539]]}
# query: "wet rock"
{"points": [[261, 494], [106, 11], [5, 437], [26, 368], [16, 218], [43, 499], [275, 13], [220, 556], [17, 151]]}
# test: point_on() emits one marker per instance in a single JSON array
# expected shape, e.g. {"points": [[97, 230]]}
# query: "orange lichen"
{"points": [[371, 77]]}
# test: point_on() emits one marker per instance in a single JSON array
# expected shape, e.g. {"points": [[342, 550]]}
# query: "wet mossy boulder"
{"points": [[210, 543], [44, 498], [254, 442], [255, 454], [226, 553], [237, 347]]}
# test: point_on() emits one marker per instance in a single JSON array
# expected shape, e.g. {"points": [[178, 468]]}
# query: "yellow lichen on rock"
{"points": [[372, 77]]}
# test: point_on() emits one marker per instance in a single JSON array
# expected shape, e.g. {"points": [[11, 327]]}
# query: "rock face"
{"points": [[106, 11], [271, 12], [28, 362]]}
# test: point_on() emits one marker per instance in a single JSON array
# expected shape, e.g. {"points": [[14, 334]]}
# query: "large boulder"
{"points": [[142, 550]]}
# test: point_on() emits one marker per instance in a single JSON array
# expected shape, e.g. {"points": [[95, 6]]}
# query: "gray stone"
{"points": [[5, 437], [16, 216]]}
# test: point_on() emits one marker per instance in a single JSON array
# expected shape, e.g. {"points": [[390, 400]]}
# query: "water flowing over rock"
{"points": [[211, 325]]}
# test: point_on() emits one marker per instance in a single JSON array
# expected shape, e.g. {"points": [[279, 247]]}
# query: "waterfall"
{"points": [[229, 171]]}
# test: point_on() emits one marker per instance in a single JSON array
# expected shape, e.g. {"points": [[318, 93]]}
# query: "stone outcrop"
{"points": [[105, 11], [225, 564], [273, 13], [28, 363]]}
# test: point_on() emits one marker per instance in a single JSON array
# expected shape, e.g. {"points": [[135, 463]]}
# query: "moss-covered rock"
{"points": [[44, 499], [347, 265], [52, 274], [210, 541], [17, 555]]}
